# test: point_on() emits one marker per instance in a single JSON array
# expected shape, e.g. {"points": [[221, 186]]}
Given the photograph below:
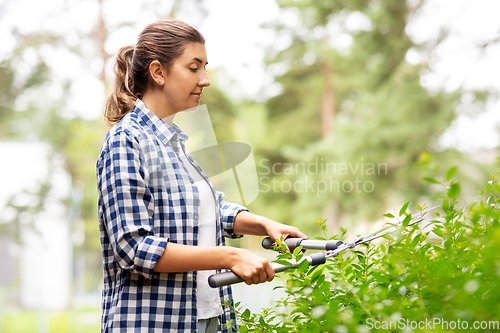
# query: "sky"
{"points": [[236, 44]]}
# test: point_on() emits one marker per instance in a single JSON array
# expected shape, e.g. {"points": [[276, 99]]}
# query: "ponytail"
{"points": [[164, 41], [122, 97]]}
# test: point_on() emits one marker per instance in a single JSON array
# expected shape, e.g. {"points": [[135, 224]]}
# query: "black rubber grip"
{"points": [[333, 244], [267, 243], [227, 278], [223, 279], [292, 243], [317, 259]]}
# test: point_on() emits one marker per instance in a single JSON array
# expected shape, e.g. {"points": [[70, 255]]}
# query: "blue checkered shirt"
{"points": [[147, 199]]}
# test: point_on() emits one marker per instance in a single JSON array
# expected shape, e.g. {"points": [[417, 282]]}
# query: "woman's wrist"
{"points": [[269, 225], [229, 256], [262, 223], [247, 223]]}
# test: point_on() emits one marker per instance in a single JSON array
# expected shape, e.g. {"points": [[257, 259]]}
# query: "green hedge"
{"points": [[439, 277]]}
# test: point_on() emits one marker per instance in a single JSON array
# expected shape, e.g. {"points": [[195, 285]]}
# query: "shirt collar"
{"points": [[162, 130]]}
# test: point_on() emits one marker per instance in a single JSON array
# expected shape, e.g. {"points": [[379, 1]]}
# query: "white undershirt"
{"points": [[208, 299]]}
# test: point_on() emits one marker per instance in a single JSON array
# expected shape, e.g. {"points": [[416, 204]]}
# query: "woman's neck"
{"points": [[154, 100]]}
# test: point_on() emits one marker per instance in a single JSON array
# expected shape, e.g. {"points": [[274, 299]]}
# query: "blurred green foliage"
{"points": [[383, 116], [69, 321]]}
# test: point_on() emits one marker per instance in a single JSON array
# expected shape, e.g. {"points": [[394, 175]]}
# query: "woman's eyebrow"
{"points": [[199, 60]]}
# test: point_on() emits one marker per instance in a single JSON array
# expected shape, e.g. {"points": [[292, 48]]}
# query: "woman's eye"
{"points": [[193, 69]]}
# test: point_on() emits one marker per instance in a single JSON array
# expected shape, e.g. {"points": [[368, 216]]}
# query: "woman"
{"points": [[162, 225]]}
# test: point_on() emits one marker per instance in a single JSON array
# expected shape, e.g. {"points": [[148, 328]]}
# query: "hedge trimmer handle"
{"points": [[227, 278], [308, 244]]}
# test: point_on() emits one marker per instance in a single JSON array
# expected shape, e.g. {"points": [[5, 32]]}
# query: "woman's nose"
{"points": [[204, 80]]}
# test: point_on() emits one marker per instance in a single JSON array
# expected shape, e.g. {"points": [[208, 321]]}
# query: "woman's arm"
{"points": [[247, 223], [245, 264]]}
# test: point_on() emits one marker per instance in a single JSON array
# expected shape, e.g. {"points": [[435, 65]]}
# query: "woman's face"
{"points": [[186, 79]]}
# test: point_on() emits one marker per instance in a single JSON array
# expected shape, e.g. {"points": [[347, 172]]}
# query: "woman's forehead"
{"points": [[196, 52]]}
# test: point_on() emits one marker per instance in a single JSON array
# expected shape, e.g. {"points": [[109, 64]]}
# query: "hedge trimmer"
{"points": [[332, 247]]}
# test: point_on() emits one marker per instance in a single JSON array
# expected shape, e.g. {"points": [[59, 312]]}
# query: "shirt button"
{"points": [[196, 217], [192, 181], [194, 293]]}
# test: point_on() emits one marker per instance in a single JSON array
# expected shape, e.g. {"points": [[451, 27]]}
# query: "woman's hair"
{"points": [[164, 41]]}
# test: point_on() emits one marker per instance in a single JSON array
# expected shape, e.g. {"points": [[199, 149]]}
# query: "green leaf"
{"points": [[282, 262], [403, 209], [407, 220], [303, 266], [246, 313], [316, 271], [297, 250], [438, 231], [415, 241], [359, 268], [451, 173], [431, 180], [282, 247], [454, 190], [446, 205], [389, 215]]}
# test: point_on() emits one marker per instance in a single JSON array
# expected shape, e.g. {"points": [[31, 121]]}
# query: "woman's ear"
{"points": [[157, 71]]}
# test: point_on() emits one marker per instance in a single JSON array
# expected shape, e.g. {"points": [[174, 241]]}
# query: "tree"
{"points": [[383, 117]]}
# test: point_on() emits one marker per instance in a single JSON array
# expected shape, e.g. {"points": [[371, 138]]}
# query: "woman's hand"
{"points": [[276, 230], [250, 267], [247, 223]]}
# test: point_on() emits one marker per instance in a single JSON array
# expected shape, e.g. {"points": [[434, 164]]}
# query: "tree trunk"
{"points": [[328, 102], [102, 36]]}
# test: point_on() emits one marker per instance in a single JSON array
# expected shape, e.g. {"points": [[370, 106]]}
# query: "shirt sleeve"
{"points": [[128, 205], [229, 211]]}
